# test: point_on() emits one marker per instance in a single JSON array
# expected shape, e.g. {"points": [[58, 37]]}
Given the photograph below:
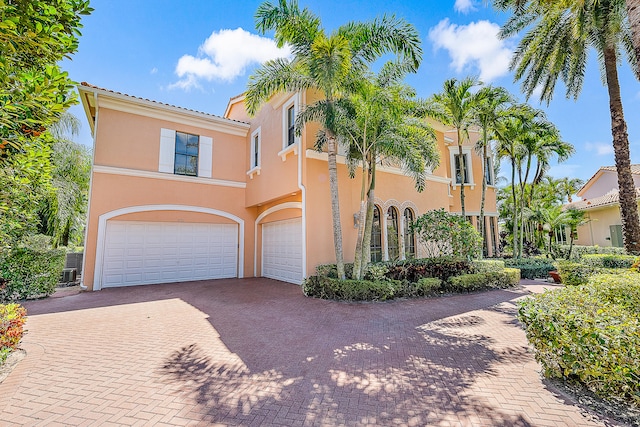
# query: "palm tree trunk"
{"points": [[484, 192], [515, 209], [335, 204], [633, 11], [366, 243], [462, 174], [362, 219], [628, 204]]}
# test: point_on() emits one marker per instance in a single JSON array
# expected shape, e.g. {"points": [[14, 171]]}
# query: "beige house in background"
{"points": [[179, 195], [600, 201]]}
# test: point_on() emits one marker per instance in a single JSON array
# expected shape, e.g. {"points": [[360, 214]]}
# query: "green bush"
{"points": [[442, 233], [579, 251], [12, 319], [423, 287], [608, 261], [486, 265], [441, 267], [30, 273], [349, 290], [330, 270], [531, 268], [590, 333], [488, 280], [576, 273]]}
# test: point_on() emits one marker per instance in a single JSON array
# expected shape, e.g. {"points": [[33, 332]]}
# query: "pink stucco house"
{"points": [[179, 195]]}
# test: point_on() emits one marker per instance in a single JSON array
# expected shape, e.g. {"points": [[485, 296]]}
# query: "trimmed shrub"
{"points": [[441, 268], [486, 265], [12, 320], [349, 290], [608, 261], [590, 333], [576, 273], [331, 270], [30, 273], [421, 288], [488, 280], [579, 251], [442, 233], [531, 268]]}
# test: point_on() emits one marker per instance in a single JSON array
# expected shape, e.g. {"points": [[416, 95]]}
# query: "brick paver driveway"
{"points": [[256, 352]]}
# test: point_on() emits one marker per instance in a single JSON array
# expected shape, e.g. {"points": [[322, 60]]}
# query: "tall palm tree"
{"points": [[556, 46], [381, 124], [454, 106], [324, 62], [491, 106]]}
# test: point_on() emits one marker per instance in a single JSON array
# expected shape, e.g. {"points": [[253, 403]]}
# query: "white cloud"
{"points": [[601, 149], [464, 6], [154, 70], [474, 46], [225, 55]]}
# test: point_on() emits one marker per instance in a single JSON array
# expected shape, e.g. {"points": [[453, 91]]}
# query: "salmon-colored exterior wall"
{"points": [[289, 183]]}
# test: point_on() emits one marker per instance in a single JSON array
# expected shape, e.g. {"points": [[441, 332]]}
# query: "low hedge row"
{"points": [[487, 265], [576, 273], [531, 268], [29, 273], [441, 267], [608, 261], [381, 290], [12, 319], [578, 252], [590, 333]]}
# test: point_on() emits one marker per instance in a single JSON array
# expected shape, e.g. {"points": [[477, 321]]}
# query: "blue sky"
{"points": [[199, 53]]}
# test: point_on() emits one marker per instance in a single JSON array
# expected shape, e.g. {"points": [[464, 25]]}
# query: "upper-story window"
{"points": [[186, 154], [488, 170], [462, 168], [291, 125], [255, 148]]}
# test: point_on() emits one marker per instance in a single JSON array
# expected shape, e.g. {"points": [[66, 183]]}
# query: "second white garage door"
{"points": [[282, 250], [139, 253]]}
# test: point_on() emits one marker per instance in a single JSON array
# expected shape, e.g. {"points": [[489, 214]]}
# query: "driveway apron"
{"points": [[257, 352]]}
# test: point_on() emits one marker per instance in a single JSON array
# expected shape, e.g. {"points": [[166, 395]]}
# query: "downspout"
{"points": [[83, 287], [303, 192]]}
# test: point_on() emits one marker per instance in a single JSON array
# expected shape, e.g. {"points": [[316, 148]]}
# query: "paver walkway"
{"points": [[256, 352]]}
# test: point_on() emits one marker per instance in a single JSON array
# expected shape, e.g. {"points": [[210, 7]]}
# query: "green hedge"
{"points": [[579, 251], [12, 319], [590, 333], [487, 265], [30, 273], [348, 290], [608, 261], [531, 268], [479, 281], [576, 273]]}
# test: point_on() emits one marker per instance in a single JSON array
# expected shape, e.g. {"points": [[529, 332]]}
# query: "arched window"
{"points": [[393, 246], [409, 236], [376, 236]]}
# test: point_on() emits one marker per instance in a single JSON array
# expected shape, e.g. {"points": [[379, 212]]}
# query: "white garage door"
{"points": [[139, 253], [282, 250]]}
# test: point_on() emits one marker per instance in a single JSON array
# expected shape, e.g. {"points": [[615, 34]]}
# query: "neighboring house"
{"points": [[179, 195], [600, 201]]}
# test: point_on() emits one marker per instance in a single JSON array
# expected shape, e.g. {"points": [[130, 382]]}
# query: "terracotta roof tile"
{"points": [[635, 169], [85, 84], [610, 198]]}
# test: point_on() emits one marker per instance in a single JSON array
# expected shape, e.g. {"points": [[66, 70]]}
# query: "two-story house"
{"points": [[179, 195]]}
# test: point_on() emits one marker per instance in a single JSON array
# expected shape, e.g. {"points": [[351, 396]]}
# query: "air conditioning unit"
{"points": [[69, 275]]}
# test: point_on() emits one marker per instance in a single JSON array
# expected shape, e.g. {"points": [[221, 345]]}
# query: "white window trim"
{"points": [[491, 174], [466, 151], [168, 152], [255, 169], [293, 148]]}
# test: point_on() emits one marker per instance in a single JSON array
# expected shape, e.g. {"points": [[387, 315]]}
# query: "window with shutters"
{"points": [[186, 154]]}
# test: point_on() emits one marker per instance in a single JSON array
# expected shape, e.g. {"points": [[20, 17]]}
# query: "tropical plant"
{"points": [[455, 106], [491, 106], [633, 10], [569, 187], [558, 38], [575, 218], [324, 62], [443, 233], [381, 125]]}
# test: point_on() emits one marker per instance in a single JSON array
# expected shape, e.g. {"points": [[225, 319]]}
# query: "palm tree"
{"points": [[324, 62], [575, 218], [455, 106], [554, 217], [569, 186], [381, 124], [491, 106], [555, 46], [633, 10]]}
